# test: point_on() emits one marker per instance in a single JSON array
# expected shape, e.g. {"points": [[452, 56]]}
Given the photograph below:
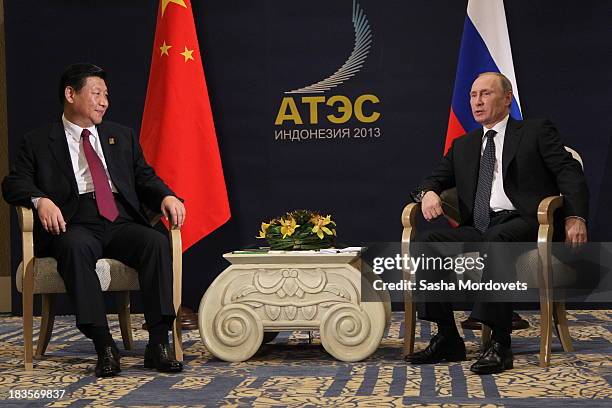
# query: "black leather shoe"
{"points": [[108, 362], [495, 359], [157, 356], [440, 348]]}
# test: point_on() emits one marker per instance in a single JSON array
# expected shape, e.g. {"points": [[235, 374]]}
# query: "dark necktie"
{"points": [[482, 214], [104, 196]]}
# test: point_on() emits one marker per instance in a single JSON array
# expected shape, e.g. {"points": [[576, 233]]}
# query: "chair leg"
{"points": [[485, 336], [28, 346], [47, 319], [125, 322], [561, 326], [546, 298], [545, 331], [177, 341], [28, 317], [409, 327]]}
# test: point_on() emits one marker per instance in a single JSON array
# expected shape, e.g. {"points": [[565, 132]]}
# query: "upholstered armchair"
{"points": [[535, 267], [40, 276]]}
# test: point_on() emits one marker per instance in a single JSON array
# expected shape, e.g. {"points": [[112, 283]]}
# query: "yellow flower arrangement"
{"points": [[264, 228], [320, 226], [300, 229], [288, 226]]}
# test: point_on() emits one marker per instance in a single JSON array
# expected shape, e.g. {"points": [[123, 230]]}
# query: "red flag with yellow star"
{"points": [[178, 134]]}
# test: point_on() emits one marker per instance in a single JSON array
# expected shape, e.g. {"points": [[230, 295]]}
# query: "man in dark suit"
{"points": [[88, 182], [501, 172]]}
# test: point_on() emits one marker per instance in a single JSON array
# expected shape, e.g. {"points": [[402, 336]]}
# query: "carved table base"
{"points": [[292, 291]]}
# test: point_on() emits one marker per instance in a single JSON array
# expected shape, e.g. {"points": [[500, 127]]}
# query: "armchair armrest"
{"points": [[26, 224], [409, 221], [546, 211], [26, 219]]}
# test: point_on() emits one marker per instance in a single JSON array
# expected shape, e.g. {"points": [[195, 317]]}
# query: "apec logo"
{"points": [[295, 112]]}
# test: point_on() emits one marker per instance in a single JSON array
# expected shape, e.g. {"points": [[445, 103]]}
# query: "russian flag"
{"points": [[485, 47]]}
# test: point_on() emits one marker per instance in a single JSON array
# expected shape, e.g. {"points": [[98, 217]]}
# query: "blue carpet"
{"points": [[294, 370]]}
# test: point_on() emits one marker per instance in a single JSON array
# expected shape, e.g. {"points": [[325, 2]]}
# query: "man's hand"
{"points": [[575, 232], [174, 211], [50, 216], [431, 206]]}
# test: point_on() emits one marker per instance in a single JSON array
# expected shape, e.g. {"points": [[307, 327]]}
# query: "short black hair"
{"points": [[75, 75]]}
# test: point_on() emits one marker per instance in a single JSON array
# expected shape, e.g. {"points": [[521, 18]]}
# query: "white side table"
{"points": [[293, 290]]}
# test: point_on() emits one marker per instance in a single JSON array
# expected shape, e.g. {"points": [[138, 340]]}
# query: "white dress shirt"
{"points": [[77, 157], [499, 199]]}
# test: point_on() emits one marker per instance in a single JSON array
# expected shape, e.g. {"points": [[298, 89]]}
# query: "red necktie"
{"points": [[104, 196]]}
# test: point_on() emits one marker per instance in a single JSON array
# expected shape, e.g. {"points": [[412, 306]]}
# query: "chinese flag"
{"points": [[178, 134]]}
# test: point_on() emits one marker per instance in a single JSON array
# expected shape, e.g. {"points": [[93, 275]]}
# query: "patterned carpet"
{"points": [[294, 370]]}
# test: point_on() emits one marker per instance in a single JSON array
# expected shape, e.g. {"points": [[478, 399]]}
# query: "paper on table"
{"points": [[274, 251], [252, 251], [341, 250]]}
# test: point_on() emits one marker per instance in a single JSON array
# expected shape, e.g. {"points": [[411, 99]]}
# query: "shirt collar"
{"points": [[74, 131], [499, 128]]}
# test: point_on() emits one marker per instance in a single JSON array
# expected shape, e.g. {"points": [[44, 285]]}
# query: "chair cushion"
{"points": [[527, 271], [113, 276], [563, 276]]}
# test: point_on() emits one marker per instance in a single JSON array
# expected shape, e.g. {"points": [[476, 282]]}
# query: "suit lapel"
{"points": [[58, 145], [512, 139], [110, 155], [472, 160]]}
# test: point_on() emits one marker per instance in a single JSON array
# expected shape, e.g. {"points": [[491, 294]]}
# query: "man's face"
{"points": [[87, 106], [488, 101]]}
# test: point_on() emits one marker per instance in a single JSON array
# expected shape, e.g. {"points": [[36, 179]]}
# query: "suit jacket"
{"points": [[535, 165], [43, 168]]}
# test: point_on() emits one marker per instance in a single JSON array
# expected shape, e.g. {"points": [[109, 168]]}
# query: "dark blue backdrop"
{"points": [[254, 51]]}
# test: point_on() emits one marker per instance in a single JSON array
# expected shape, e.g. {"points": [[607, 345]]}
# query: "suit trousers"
{"points": [[89, 237], [508, 226]]}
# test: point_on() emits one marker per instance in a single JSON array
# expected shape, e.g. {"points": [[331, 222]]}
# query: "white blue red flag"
{"points": [[485, 47]]}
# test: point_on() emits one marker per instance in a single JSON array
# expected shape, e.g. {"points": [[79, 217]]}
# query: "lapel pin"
{"points": [[111, 140]]}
